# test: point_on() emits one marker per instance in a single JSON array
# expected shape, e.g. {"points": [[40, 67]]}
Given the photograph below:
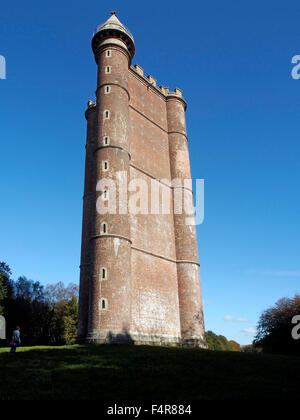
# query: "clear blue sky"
{"points": [[233, 62]]}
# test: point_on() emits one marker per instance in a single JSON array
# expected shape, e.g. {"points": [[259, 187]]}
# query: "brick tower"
{"points": [[139, 272]]}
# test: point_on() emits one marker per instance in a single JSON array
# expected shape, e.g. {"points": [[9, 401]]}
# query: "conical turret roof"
{"points": [[113, 28]]}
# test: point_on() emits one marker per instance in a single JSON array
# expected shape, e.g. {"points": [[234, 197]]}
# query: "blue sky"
{"points": [[233, 62]]}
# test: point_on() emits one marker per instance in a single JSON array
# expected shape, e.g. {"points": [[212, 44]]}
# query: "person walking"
{"points": [[16, 340]]}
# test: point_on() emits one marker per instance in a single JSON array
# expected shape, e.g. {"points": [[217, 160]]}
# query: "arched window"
{"points": [[103, 304], [103, 228], [105, 165], [106, 114], [105, 140]]}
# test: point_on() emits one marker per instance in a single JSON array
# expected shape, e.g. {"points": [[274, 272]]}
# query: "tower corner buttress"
{"points": [[188, 267], [85, 261]]}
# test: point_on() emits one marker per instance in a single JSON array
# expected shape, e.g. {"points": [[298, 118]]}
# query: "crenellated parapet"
{"points": [[152, 82]]}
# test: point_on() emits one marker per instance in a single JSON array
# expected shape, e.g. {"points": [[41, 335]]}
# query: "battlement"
{"points": [[91, 104], [152, 82]]}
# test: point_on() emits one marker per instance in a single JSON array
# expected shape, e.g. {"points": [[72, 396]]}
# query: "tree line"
{"points": [[278, 331], [47, 315], [220, 343]]}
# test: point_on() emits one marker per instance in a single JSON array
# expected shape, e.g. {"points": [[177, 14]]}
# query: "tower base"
{"points": [[137, 338]]}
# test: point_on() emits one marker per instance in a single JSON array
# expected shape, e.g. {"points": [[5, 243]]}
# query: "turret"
{"points": [[113, 32], [188, 273], [110, 242], [88, 202]]}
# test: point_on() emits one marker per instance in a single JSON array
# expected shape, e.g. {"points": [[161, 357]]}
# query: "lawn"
{"points": [[115, 373]]}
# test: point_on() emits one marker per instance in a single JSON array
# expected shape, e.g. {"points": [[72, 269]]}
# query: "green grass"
{"points": [[111, 372]]}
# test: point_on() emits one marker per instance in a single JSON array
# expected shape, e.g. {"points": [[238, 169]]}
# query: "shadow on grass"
{"points": [[113, 372]]}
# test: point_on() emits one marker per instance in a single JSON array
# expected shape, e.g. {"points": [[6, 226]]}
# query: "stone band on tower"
{"points": [[139, 279]]}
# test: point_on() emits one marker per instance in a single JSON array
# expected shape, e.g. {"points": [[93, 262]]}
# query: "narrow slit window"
{"points": [[107, 89], [103, 229], [108, 53], [105, 140], [106, 114], [103, 304], [103, 274], [107, 69], [105, 165]]}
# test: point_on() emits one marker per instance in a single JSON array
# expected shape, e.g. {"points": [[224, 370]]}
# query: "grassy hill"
{"points": [[141, 372]]}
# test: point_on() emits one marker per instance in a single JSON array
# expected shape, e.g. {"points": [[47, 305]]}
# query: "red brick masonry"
{"points": [[152, 290]]}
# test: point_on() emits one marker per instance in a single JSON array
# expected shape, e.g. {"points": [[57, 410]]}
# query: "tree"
{"points": [[6, 286], [64, 322], [4, 268], [275, 328], [29, 290], [234, 345], [2, 291], [58, 292], [70, 321], [212, 341], [7, 283], [224, 343]]}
